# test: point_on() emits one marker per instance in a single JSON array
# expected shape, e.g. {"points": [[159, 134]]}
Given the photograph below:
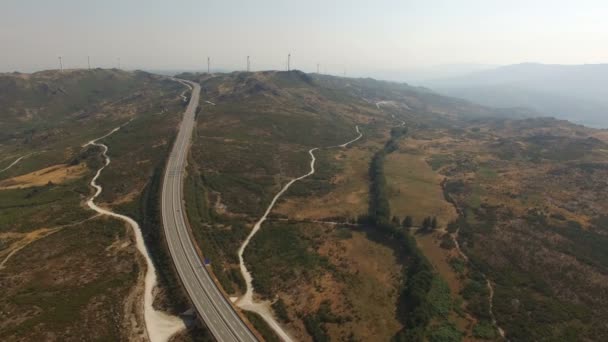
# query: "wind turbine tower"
{"points": [[208, 65], [60, 64], [288, 62], [248, 65]]}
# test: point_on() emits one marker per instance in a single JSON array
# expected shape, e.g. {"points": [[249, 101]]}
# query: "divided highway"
{"points": [[209, 302]]}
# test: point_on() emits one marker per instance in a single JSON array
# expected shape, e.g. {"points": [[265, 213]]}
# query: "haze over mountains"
{"points": [[573, 92]]}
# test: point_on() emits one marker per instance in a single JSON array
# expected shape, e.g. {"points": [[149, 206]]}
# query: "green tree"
{"points": [[407, 222], [434, 223], [395, 221], [426, 223]]}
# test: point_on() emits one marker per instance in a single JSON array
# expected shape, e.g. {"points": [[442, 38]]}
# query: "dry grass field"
{"points": [[56, 174], [531, 196], [350, 189], [354, 278], [414, 189]]}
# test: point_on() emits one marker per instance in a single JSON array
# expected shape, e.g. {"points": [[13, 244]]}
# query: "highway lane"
{"points": [[217, 312]]}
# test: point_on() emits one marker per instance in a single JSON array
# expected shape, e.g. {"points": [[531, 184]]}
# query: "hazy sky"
{"points": [[359, 36]]}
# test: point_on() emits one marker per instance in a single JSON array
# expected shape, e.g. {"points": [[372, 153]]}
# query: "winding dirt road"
{"points": [[247, 301], [159, 325], [14, 163]]}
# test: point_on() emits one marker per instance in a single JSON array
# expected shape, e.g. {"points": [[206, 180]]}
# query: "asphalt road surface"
{"points": [[215, 309]]}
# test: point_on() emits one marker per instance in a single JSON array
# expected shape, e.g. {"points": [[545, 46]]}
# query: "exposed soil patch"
{"points": [[55, 174]]}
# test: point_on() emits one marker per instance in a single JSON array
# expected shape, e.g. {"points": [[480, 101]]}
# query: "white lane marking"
{"points": [[207, 304]]}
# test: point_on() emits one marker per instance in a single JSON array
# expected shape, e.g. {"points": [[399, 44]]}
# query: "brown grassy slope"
{"points": [[254, 139], [81, 106], [533, 197], [59, 288], [52, 114], [309, 266], [415, 190], [350, 189]]}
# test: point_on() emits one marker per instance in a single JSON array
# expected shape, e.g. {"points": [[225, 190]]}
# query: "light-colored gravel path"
{"points": [[247, 302], [14, 163], [159, 325]]}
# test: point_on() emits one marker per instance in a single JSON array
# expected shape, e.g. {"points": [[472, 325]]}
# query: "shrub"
{"points": [[407, 222], [484, 330], [281, 310]]}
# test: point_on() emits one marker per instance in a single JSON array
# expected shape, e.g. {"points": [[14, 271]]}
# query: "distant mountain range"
{"points": [[577, 93]]}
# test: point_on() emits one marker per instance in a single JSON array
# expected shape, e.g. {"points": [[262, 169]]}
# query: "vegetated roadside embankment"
{"points": [[159, 325]]}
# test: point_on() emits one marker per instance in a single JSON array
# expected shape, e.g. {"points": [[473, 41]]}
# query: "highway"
{"points": [[217, 312]]}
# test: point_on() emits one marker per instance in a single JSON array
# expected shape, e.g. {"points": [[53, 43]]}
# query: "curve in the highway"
{"points": [[213, 307]]}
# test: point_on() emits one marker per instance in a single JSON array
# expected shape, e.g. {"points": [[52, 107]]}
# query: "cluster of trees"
{"points": [[379, 208], [415, 307], [314, 323], [396, 133], [261, 326], [429, 223], [316, 329], [280, 309]]}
